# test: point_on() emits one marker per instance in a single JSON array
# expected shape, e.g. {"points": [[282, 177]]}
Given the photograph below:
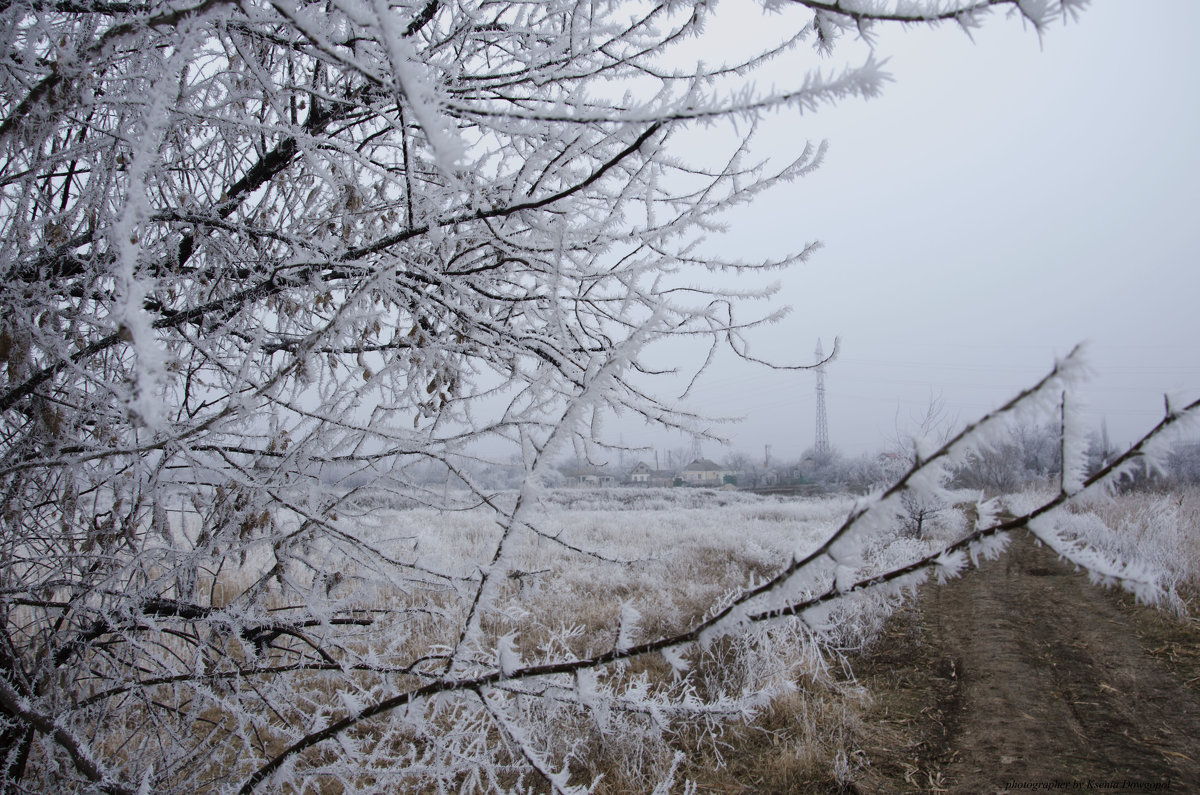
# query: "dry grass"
{"points": [[802, 742]]}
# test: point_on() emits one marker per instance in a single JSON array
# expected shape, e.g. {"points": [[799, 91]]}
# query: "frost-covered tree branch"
{"points": [[1039, 12]]}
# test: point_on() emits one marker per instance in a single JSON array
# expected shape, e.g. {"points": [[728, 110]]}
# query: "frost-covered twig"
{"points": [[82, 755]]}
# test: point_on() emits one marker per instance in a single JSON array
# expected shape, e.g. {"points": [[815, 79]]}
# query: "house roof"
{"points": [[702, 465]]}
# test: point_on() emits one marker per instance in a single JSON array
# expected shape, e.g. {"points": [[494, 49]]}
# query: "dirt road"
{"points": [[1024, 677]]}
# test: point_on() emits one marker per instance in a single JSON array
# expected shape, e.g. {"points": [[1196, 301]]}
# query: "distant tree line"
{"points": [[1027, 455]]}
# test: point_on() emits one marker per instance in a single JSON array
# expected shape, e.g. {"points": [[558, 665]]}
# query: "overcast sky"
{"points": [[1003, 200]]}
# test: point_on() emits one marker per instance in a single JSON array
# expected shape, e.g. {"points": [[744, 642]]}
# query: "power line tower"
{"points": [[821, 446]]}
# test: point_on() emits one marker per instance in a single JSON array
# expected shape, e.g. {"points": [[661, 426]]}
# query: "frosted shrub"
{"points": [[1158, 532]]}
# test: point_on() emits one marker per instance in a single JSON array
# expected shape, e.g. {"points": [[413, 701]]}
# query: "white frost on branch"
{"points": [[134, 324], [1070, 536], [627, 626], [414, 84]]}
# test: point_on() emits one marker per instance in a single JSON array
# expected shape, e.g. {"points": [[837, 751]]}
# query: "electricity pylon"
{"points": [[821, 446]]}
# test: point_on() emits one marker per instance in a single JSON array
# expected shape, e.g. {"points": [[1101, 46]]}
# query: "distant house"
{"points": [[640, 474], [643, 475], [585, 477], [703, 472]]}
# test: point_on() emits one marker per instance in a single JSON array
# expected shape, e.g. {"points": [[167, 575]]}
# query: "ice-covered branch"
{"points": [[1037, 12], [83, 756]]}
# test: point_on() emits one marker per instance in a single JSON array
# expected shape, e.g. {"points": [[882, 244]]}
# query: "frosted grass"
{"points": [[669, 554]]}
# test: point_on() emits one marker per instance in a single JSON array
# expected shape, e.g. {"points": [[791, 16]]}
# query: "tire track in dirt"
{"points": [[1023, 673]]}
